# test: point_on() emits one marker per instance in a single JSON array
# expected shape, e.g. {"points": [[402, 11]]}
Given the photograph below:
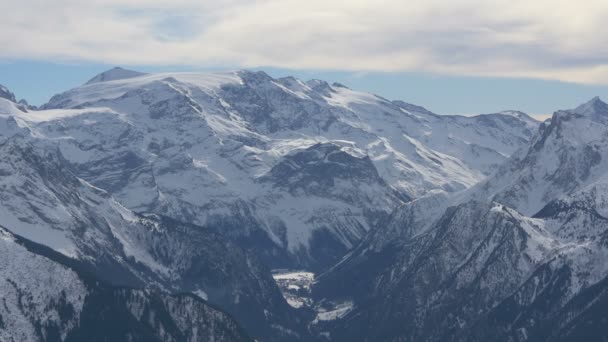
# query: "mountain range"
{"points": [[521, 256], [165, 202]]}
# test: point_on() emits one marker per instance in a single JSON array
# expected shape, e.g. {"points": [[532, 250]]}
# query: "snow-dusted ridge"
{"points": [[46, 296], [43, 201], [475, 265], [175, 180], [155, 141]]}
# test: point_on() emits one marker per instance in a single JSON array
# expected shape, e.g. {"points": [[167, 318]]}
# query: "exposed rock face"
{"points": [[468, 267], [43, 201], [569, 152], [6, 94], [49, 297], [144, 187], [163, 138]]}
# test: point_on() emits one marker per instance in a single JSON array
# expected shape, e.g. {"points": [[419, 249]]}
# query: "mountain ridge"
{"points": [[252, 122], [557, 253], [422, 226], [85, 307]]}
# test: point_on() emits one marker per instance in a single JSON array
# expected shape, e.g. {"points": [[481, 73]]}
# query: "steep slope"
{"points": [[43, 201], [156, 141], [564, 299], [570, 152], [299, 172], [47, 297], [481, 272], [469, 268], [314, 179], [7, 94], [441, 281]]}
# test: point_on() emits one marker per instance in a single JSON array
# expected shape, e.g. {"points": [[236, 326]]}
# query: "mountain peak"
{"points": [[250, 76], [7, 94], [593, 107], [116, 73]]}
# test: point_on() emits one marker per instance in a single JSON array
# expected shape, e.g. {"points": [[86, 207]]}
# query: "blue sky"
{"points": [[454, 57], [445, 94]]}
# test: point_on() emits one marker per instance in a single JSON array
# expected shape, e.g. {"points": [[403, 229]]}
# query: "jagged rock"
{"points": [[47, 296], [168, 136], [467, 267]]}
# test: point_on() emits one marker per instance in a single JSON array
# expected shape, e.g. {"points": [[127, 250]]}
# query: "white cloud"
{"points": [[551, 39]]}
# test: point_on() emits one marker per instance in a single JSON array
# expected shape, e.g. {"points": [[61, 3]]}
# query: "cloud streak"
{"points": [[558, 39]]}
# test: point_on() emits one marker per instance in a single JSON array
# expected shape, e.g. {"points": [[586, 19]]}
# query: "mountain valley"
{"points": [[234, 206]]}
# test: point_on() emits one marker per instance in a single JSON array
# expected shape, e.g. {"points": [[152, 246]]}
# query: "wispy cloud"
{"points": [[549, 39]]}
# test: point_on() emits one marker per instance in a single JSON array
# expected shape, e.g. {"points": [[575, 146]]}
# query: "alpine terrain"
{"points": [[234, 206], [521, 256]]}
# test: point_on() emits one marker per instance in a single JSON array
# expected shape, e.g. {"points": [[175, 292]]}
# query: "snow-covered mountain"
{"points": [[7, 94], [204, 148], [48, 297], [472, 267], [201, 182], [41, 200], [569, 153]]}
